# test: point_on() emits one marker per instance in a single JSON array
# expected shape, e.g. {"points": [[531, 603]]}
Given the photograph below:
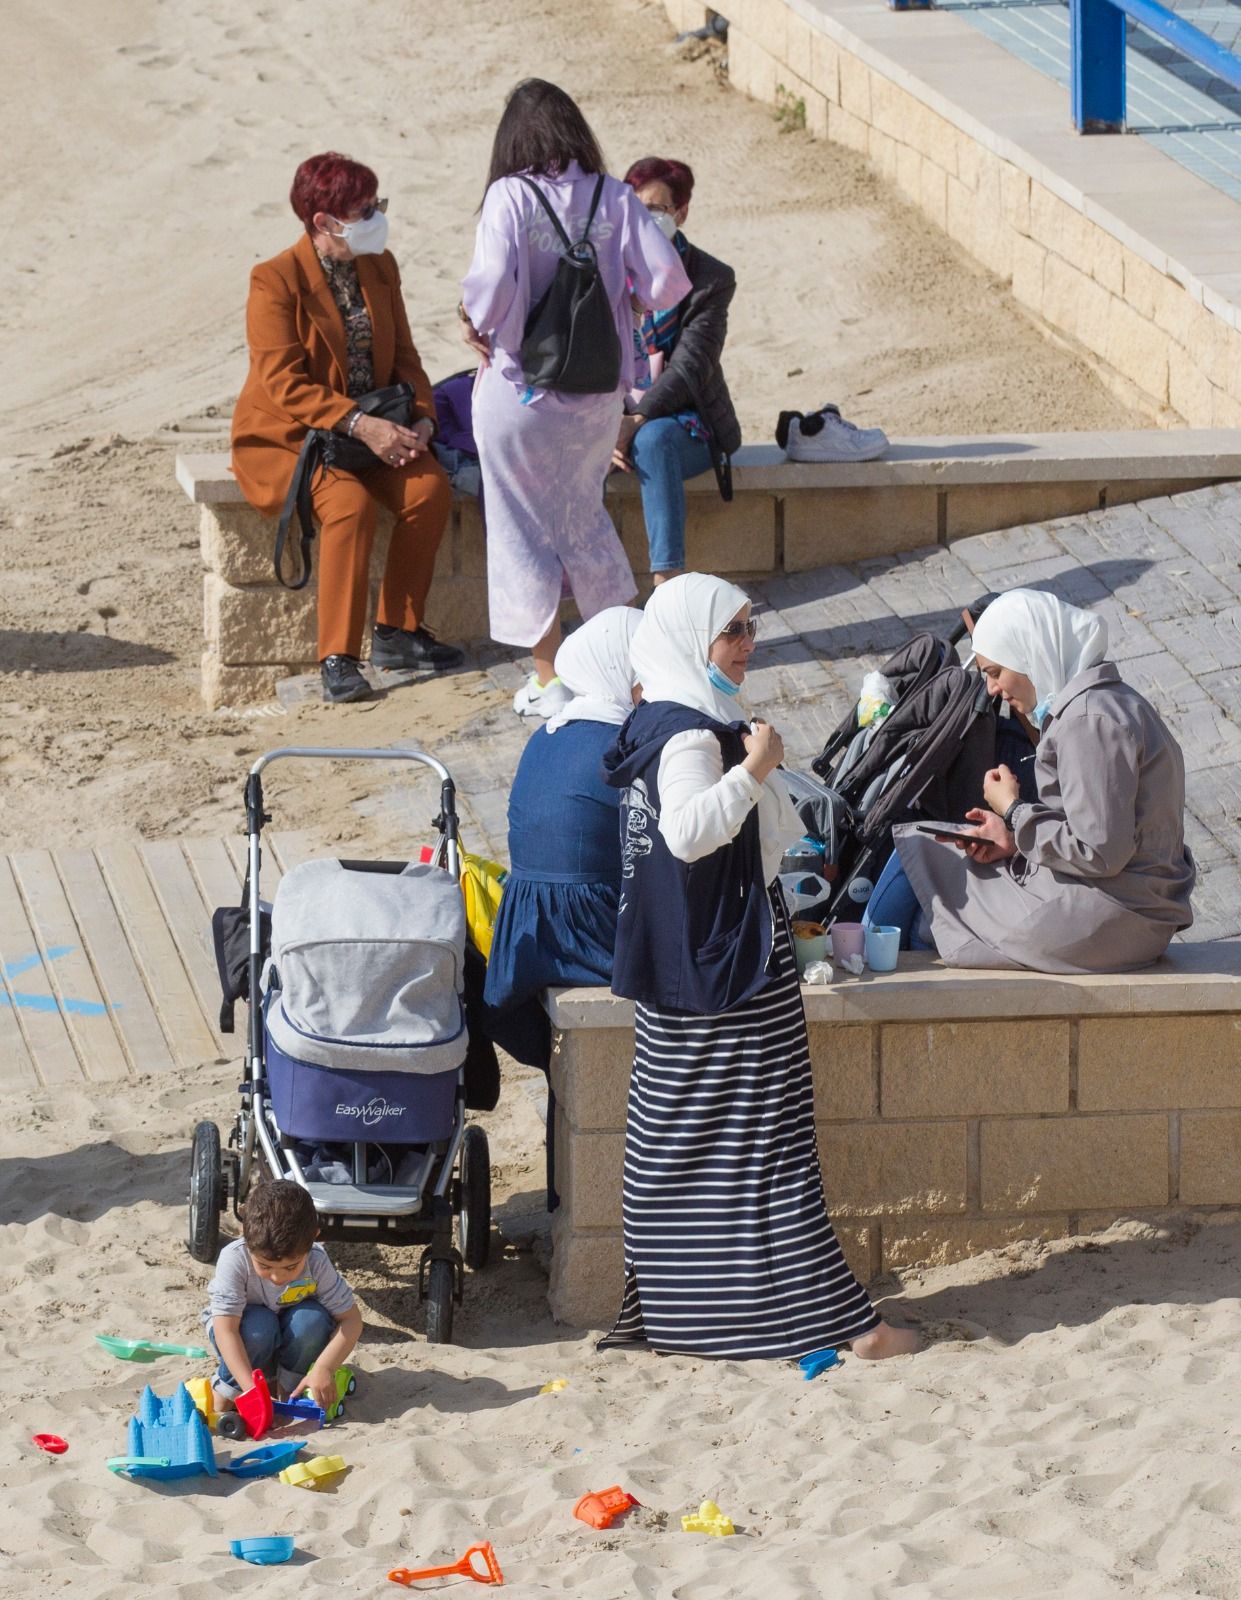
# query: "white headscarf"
{"points": [[681, 621], [594, 663], [1030, 631]]}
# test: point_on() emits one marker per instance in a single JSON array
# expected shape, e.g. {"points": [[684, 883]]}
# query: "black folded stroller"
{"points": [[926, 760], [354, 1084]]}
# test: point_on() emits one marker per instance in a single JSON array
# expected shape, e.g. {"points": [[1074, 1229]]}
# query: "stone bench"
{"points": [[785, 517], [956, 1111]]}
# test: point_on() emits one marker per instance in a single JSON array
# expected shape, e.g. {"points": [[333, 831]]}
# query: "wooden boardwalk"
{"points": [[106, 963]]}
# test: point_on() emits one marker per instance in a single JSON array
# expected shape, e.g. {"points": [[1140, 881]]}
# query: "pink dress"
{"points": [[544, 455]]}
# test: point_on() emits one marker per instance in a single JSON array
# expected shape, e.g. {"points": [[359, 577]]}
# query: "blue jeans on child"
{"points": [[664, 454], [292, 1340], [893, 904]]}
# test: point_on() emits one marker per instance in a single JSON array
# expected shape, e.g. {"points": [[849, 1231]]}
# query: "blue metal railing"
{"points": [[1097, 56]]}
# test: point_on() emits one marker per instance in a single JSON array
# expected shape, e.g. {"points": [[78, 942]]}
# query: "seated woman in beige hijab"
{"points": [[1094, 875]]}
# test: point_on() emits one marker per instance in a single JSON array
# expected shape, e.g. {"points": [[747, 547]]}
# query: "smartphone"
{"points": [[948, 830]]}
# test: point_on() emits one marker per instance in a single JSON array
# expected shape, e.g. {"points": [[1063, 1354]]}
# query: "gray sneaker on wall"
{"points": [[825, 435]]}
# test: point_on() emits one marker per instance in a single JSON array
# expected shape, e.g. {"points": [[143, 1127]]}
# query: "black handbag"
{"points": [[325, 450], [569, 344]]}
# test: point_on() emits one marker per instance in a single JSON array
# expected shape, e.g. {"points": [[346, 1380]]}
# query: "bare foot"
{"points": [[885, 1341]]}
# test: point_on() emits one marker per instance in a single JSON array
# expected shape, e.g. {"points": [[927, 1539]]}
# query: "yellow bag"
{"points": [[482, 883]]}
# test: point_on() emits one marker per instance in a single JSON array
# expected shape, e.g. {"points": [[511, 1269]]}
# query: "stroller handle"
{"points": [[446, 821], [321, 753]]}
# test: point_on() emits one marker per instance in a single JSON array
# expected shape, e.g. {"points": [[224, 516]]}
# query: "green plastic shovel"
{"points": [[148, 1349]]}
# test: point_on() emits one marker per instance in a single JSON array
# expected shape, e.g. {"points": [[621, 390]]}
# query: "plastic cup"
{"points": [[808, 946], [883, 946], [848, 939]]}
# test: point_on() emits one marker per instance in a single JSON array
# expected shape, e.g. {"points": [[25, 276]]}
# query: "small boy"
{"points": [[277, 1301]]}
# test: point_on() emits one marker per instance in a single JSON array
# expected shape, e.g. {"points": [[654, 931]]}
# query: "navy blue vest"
{"points": [[690, 936]]}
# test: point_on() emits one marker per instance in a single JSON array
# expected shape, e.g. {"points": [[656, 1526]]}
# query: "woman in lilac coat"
{"points": [[545, 454]]}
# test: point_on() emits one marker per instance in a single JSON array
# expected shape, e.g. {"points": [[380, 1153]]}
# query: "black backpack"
{"points": [[570, 342]]}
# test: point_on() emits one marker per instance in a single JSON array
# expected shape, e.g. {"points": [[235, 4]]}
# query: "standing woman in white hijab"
{"points": [[729, 1250], [1094, 875]]}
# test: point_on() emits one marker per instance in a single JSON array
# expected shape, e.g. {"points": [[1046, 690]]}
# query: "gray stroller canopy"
{"points": [[369, 968]]}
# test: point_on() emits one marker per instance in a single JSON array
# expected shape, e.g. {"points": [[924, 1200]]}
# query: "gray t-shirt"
{"points": [[236, 1285]]}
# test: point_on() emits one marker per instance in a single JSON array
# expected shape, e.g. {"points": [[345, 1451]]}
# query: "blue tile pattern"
{"points": [[1180, 107]]}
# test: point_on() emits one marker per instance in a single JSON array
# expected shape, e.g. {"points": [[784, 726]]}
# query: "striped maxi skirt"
{"points": [[729, 1250]]}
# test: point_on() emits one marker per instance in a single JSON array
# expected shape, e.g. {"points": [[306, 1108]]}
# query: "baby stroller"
{"points": [[926, 759], [354, 1082]]}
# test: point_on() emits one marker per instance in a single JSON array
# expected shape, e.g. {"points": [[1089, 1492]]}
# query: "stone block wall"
{"points": [[942, 1138], [255, 632], [784, 517], [1158, 347]]}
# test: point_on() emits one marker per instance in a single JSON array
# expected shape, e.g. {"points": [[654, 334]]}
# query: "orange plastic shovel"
{"points": [[464, 1568]]}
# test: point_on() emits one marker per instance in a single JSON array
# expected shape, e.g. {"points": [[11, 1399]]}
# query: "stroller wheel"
{"points": [[474, 1221], [206, 1192], [440, 1295]]}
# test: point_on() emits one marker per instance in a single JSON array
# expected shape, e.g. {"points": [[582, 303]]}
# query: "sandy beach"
{"points": [[1070, 1431]]}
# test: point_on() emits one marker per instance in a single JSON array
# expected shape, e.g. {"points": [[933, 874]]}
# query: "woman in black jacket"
{"points": [[680, 421]]}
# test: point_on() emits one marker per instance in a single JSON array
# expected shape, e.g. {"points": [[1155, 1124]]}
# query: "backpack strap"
{"points": [[555, 220], [546, 204], [594, 206], [298, 499], [722, 462]]}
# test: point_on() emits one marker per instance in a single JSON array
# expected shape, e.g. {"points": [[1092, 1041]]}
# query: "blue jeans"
{"points": [[292, 1340], [894, 904], [664, 454]]}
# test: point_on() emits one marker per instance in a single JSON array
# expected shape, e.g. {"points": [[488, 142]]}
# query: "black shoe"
{"points": [[343, 681], [399, 650]]}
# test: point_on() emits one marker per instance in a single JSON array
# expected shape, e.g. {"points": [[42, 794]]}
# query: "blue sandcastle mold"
{"points": [[266, 1460], [173, 1428]]}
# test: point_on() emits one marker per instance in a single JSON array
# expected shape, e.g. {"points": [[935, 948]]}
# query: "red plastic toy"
{"points": [[51, 1442], [464, 1568], [600, 1510], [254, 1407]]}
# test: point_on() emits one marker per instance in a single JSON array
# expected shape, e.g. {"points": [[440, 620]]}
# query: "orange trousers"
{"points": [[345, 509]]}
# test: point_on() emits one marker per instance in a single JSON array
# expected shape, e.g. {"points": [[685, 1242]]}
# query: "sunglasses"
{"points": [[369, 211], [738, 630]]}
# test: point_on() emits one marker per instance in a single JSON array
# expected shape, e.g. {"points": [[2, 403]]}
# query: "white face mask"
{"points": [[366, 237], [665, 222]]}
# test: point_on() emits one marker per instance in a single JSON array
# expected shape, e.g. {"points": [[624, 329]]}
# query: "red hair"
{"points": [[331, 183], [659, 169]]}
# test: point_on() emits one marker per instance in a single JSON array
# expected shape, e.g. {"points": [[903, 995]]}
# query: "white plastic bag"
{"points": [[803, 891], [875, 701]]}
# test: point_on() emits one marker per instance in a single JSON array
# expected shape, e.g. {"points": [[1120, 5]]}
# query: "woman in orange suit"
{"points": [[325, 322]]}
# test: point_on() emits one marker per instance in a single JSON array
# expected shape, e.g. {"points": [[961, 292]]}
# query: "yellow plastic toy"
{"points": [[554, 1386], [309, 1474], [709, 1519], [200, 1394]]}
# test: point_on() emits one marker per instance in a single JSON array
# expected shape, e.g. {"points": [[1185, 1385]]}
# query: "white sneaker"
{"points": [[827, 436], [541, 700]]}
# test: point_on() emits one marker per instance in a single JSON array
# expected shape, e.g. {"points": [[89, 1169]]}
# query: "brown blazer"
{"points": [[297, 376]]}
